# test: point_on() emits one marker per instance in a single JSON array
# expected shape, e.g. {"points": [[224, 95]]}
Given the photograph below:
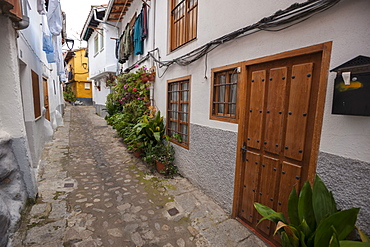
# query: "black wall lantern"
{"points": [[70, 43], [352, 87]]}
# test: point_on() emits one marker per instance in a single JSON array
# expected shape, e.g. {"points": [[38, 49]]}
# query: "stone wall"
{"points": [[210, 162], [13, 193], [349, 181]]}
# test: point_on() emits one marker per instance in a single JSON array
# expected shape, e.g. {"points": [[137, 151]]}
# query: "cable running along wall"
{"points": [[282, 19]]}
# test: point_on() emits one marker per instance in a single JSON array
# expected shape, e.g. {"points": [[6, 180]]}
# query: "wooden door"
{"points": [[46, 98], [279, 133]]}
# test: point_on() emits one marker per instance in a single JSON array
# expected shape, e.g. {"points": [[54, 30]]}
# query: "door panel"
{"points": [[250, 185], [300, 90], [284, 100], [257, 98], [266, 192], [275, 109], [290, 177]]}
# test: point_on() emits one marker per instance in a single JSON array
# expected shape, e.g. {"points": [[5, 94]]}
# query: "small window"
{"points": [[96, 44], [178, 111], [87, 85], [102, 40], [184, 15], [224, 94], [36, 94]]}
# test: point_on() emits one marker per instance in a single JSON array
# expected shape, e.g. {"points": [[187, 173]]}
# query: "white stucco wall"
{"points": [[11, 112], [33, 58], [346, 24], [103, 61]]}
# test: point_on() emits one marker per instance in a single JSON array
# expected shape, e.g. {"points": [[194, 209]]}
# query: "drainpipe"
{"points": [[25, 22], [151, 94]]}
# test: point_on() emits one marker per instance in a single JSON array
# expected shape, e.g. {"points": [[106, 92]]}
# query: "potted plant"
{"points": [[314, 219], [164, 155]]}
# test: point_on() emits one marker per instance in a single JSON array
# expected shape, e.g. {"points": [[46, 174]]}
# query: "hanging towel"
{"points": [[144, 23], [47, 41], [138, 42], [41, 7], [54, 15]]}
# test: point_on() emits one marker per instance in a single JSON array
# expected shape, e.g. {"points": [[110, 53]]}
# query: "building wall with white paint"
{"points": [[101, 64], [344, 159], [344, 139]]}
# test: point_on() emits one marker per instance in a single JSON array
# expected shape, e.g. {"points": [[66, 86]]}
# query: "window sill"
{"points": [[224, 119], [182, 46]]}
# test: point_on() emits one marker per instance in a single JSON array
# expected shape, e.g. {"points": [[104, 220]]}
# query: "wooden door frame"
{"points": [[325, 49], [45, 86]]}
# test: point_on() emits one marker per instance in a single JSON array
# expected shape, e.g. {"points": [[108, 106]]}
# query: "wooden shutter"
{"points": [[36, 94]]}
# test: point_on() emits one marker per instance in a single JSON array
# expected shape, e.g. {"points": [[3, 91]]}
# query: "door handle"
{"points": [[244, 150]]}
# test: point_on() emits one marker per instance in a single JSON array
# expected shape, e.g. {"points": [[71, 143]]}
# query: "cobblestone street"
{"points": [[93, 192]]}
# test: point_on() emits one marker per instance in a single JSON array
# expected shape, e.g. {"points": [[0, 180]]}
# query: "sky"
{"points": [[76, 15]]}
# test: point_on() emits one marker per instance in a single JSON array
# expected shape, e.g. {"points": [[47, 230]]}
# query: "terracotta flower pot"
{"points": [[151, 78], [138, 153], [160, 166]]}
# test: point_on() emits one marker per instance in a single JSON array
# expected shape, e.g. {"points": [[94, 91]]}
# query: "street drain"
{"points": [[68, 185], [173, 211]]}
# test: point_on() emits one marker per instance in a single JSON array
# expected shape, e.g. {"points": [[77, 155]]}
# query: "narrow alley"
{"points": [[93, 192]]}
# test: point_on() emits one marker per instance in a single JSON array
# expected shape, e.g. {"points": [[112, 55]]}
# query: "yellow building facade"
{"points": [[78, 72]]}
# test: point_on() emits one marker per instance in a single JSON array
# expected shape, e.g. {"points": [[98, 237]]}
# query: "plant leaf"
{"points": [[304, 228], [322, 200], [303, 239], [285, 241], [269, 213], [290, 230], [293, 207], [305, 210], [263, 210], [348, 243], [334, 241], [363, 236], [343, 222], [276, 217], [157, 136]]}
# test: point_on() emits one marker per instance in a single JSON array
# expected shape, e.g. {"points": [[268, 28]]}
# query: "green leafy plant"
{"points": [[177, 137], [164, 153], [313, 219], [69, 95]]}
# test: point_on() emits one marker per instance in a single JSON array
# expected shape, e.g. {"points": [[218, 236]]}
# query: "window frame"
{"points": [[101, 40], [179, 101], [227, 68], [96, 44], [189, 28], [36, 95]]}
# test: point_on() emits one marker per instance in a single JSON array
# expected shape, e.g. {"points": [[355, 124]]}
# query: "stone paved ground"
{"points": [[94, 193]]}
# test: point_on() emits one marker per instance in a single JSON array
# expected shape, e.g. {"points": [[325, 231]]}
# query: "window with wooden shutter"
{"points": [[36, 94], [184, 15], [178, 111]]}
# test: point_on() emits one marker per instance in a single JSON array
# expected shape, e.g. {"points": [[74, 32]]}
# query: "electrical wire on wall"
{"points": [[280, 20]]}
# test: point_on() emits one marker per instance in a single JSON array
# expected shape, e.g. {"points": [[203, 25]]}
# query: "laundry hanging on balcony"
{"points": [[125, 46]]}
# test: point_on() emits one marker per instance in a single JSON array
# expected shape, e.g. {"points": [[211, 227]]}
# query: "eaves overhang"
{"points": [[91, 22], [117, 9]]}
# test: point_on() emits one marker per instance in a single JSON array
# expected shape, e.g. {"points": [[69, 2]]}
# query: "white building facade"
{"points": [[100, 37], [216, 64], [31, 107]]}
